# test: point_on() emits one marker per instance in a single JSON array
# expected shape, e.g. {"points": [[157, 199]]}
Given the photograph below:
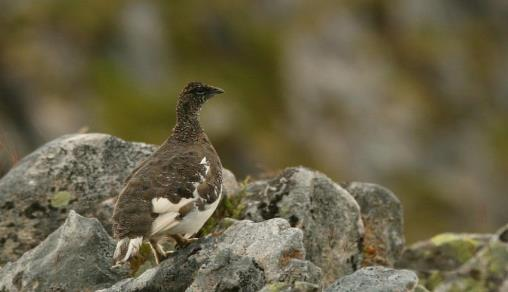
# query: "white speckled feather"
{"points": [[163, 205]]}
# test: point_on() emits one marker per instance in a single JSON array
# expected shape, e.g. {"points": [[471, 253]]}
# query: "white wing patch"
{"points": [[168, 221], [206, 163], [194, 220], [163, 205], [164, 222]]}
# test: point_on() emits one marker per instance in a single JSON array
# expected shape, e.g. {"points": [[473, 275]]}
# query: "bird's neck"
{"points": [[188, 128]]}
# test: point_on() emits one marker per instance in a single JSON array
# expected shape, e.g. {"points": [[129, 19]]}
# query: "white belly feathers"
{"points": [[168, 221]]}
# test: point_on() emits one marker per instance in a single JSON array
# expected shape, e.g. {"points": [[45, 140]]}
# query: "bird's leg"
{"points": [[155, 253], [182, 241], [158, 251]]}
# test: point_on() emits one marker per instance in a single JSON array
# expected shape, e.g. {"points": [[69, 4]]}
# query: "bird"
{"points": [[175, 190]]}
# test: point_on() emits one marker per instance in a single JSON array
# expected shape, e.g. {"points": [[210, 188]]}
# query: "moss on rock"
{"points": [[61, 199]]}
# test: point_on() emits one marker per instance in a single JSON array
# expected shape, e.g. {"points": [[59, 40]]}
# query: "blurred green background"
{"points": [[409, 94]]}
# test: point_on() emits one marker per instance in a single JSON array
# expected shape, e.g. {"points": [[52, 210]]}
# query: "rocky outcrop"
{"points": [[80, 172], [304, 233], [443, 252], [382, 218], [76, 257], [376, 279], [328, 215], [461, 262], [246, 257]]}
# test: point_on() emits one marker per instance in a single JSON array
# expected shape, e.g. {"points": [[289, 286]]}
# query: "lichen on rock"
{"points": [[376, 278], [382, 218], [328, 215]]}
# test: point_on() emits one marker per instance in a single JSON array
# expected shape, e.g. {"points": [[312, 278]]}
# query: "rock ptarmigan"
{"points": [[174, 191]]}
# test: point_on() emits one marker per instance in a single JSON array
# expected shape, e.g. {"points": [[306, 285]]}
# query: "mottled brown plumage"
{"points": [[175, 190]]}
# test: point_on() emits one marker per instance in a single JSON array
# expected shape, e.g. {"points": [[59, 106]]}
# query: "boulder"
{"points": [[227, 271], [377, 279], [79, 172], [382, 218], [76, 257], [487, 270], [230, 184], [246, 257], [326, 213], [443, 252]]}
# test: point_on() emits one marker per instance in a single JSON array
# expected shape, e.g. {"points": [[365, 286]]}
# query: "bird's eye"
{"points": [[200, 92]]}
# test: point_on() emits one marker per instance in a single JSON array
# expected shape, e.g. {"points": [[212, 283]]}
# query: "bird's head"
{"points": [[195, 94]]}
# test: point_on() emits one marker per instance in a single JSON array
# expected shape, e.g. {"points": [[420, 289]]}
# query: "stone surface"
{"points": [[376, 279], [443, 252], [486, 271], [460, 262], [297, 287], [231, 185], [326, 213], [245, 257], [79, 172], [227, 271], [76, 257], [382, 218]]}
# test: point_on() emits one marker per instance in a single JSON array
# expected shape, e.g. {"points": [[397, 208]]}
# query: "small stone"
{"points": [[376, 279], [227, 271], [231, 185]]}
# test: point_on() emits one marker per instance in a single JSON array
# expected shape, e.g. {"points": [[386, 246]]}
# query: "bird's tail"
{"points": [[126, 248]]}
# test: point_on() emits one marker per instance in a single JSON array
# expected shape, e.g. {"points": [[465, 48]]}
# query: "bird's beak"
{"points": [[215, 90]]}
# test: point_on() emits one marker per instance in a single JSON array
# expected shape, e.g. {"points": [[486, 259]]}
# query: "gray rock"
{"points": [[245, 257], [487, 270], [383, 221], [273, 244], [443, 252], [227, 271], [328, 215], [376, 279], [229, 182], [76, 257], [79, 172], [297, 287]]}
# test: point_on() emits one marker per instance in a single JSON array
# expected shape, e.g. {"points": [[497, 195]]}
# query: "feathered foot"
{"points": [[182, 241], [126, 248], [158, 251]]}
